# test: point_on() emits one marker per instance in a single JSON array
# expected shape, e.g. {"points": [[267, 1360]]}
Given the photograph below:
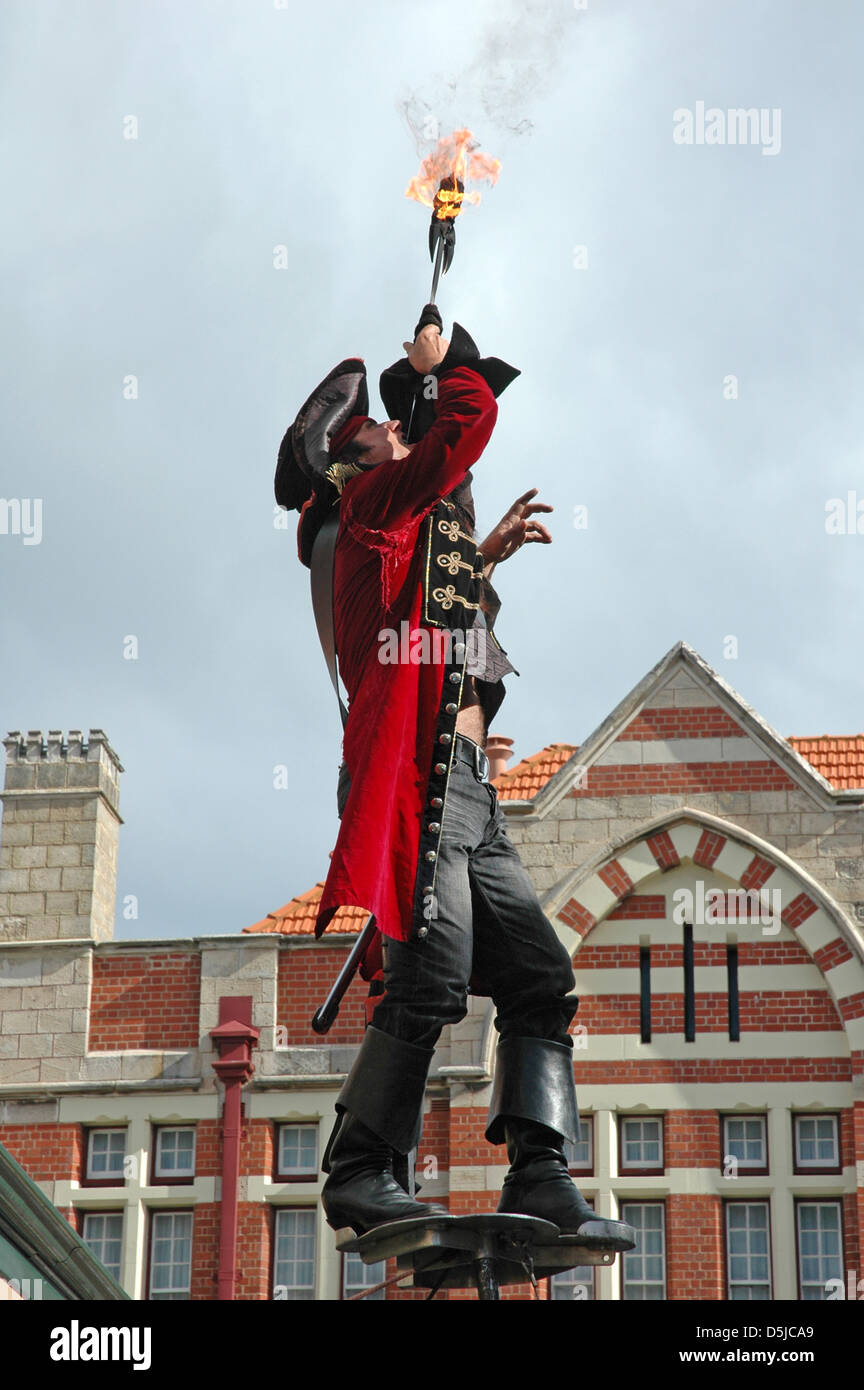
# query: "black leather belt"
{"points": [[467, 751]]}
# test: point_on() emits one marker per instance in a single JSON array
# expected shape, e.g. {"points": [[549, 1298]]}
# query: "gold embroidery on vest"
{"points": [[448, 596], [453, 562], [452, 532]]}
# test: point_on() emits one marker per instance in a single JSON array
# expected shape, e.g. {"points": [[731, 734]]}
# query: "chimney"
{"points": [[58, 844], [498, 750]]}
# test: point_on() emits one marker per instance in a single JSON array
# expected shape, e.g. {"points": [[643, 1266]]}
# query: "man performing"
{"points": [[423, 843]]}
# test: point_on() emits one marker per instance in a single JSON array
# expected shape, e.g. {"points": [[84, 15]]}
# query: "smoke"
{"points": [[518, 57]]}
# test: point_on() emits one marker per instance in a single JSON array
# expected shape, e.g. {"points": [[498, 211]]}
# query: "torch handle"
{"points": [[436, 275]]}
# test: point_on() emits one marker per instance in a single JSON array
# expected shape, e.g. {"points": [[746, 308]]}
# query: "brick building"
{"points": [[707, 875]]}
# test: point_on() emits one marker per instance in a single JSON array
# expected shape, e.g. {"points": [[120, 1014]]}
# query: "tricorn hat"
{"points": [[402, 388], [308, 477]]}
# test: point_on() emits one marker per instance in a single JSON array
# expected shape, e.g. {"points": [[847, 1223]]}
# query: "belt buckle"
{"points": [[481, 770]]}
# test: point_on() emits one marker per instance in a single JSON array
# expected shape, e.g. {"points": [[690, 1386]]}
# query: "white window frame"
{"points": [[816, 1164], [643, 1163], [807, 1288], [97, 1243], [586, 1130], [629, 1258], [357, 1276], [108, 1173], [748, 1281], [167, 1173], [288, 1173], [282, 1289], [181, 1289], [745, 1120], [563, 1286]]}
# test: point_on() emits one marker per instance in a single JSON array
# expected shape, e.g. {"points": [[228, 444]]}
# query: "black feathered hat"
{"points": [[309, 478]]}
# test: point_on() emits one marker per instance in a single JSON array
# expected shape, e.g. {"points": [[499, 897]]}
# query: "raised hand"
{"points": [[516, 528], [427, 349]]}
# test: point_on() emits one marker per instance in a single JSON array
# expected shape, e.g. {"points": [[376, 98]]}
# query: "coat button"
{"points": [[451, 708], [434, 826], [445, 738], [455, 678], [430, 856], [423, 932], [437, 802], [440, 767]]}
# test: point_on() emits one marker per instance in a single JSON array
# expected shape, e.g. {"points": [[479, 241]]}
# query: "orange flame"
{"points": [[455, 158]]}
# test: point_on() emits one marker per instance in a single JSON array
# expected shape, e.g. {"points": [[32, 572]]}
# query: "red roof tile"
{"points": [[840, 760], [297, 918], [529, 777]]}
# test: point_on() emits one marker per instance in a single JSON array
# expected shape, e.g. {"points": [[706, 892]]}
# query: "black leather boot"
{"points": [[361, 1190], [538, 1184], [381, 1111], [534, 1110]]}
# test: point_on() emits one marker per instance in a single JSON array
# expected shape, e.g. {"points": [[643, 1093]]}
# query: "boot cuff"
{"points": [[386, 1086], [533, 1081]]}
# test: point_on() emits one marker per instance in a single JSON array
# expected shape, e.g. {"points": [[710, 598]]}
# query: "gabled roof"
{"points": [[806, 772], [832, 764]]}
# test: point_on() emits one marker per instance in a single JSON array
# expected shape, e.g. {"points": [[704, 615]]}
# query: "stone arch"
{"points": [[587, 895]]}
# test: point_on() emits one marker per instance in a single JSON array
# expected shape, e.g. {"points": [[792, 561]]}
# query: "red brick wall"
{"points": [[669, 955], [691, 1139], [208, 1149], [145, 1000], [677, 1071], [805, 1010], [694, 1247], [47, 1153], [705, 721], [254, 1251], [205, 1251], [655, 779], [305, 978]]}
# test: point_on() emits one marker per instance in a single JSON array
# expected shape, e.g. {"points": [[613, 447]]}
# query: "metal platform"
{"points": [[484, 1252]]}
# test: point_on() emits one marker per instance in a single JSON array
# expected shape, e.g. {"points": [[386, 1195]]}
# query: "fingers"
{"points": [[537, 532], [522, 503]]}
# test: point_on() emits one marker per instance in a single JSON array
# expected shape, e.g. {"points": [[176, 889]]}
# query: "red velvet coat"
{"points": [[396, 709]]}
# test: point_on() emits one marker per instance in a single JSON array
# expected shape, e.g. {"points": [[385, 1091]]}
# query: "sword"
{"points": [[325, 1016]]}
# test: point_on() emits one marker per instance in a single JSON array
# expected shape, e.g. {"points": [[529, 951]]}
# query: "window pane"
{"points": [[820, 1247], [357, 1276], [175, 1152], [106, 1151], [294, 1264], [816, 1140], [171, 1257], [748, 1268], [643, 1269], [103, 1232], [298, 1149]]}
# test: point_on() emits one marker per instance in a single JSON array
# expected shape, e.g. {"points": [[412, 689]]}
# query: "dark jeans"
{"points": [[487, 927]]}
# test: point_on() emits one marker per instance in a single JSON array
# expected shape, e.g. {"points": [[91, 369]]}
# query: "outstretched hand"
{"points": [[515, 529]]}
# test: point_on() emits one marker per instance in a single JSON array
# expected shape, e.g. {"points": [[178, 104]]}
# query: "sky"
{"points": [[204, 213]]}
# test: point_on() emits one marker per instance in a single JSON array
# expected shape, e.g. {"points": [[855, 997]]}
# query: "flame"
{"points": [[455, 160]]}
